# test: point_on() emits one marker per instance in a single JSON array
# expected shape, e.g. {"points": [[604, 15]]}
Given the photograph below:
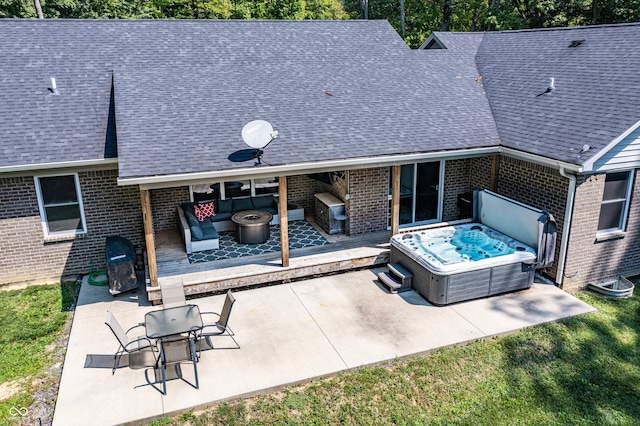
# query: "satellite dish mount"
{"points": [[258, 134]]}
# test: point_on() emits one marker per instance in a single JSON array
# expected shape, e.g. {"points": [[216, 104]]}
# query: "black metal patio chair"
{"points": [[141, 349], [219, 327]]}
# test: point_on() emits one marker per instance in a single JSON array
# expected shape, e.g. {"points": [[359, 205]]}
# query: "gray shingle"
{"points": [[597, 94], [184, 89]]}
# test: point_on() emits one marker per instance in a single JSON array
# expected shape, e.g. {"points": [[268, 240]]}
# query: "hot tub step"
{"points": [[400, 272], [389, 281], [398, 278]]}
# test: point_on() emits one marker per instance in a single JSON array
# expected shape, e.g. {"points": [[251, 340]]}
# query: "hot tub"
{"points": [[456, 263]]}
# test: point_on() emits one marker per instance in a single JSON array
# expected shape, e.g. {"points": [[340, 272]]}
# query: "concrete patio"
{"points": [[288, 333]]}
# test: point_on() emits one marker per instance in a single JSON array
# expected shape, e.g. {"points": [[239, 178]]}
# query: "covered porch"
{"points": [[167, 259], [342, 253]]}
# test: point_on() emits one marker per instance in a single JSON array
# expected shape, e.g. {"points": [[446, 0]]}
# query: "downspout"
{"points": [[568, 212]]}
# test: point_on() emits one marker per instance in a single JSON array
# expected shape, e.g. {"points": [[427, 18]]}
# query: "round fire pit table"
{"points": [[252, 226]]}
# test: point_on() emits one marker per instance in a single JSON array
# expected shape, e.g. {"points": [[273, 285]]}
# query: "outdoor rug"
{"points": [[301, 234]]}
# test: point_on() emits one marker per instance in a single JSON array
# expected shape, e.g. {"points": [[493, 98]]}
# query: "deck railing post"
{"points": [[395, 199], [284, 220], [147, 221]]}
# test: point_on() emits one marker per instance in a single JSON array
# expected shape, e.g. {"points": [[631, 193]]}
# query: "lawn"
{"points": [[34, 324], [581, 371]]}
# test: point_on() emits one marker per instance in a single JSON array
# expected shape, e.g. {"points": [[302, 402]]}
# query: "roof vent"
{"points": [[576, 43], [54, 89]]}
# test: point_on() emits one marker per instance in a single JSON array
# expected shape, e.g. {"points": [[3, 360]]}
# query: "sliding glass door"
{"points": [[420, 200]]}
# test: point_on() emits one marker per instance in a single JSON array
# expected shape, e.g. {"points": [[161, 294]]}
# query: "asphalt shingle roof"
{"points": [[333, 89], [597, 95], [185, 89]]}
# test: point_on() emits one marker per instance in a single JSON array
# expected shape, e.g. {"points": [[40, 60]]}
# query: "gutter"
{"points": [[165, 181], [568, 213], [544, 161], [60, 165]]}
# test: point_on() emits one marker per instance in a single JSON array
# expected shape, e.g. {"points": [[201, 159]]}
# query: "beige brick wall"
{"points": [[593, 261], [27, 257]]}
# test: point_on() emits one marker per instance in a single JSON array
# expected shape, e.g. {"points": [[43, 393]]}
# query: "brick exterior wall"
{"points": [[480, 173], [537, 186], [593, 261], [164, 203], [28, 257], [368, 205], [456, 181]]}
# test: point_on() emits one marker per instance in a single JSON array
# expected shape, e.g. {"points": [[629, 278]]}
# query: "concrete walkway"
{"points": [[288, 333]]}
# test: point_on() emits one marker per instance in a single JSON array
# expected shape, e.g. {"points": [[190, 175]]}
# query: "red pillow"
{"points": [[203, 210]]}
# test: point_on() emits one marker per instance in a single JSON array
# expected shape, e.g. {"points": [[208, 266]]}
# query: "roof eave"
{"points": [[153, 182], [544, 161], [22, 168], [589, 164]]}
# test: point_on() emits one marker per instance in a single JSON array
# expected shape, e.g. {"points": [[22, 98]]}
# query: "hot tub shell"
{"points": [[442, 282]]}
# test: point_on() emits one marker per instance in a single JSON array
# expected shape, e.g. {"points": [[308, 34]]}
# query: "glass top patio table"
{"points": [[173, 321]]}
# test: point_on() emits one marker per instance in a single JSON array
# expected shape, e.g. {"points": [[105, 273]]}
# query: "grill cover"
{"points": [[121, 259]]}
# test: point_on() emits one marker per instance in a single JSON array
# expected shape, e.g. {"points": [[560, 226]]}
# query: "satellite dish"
{"points": [[258, 134]]}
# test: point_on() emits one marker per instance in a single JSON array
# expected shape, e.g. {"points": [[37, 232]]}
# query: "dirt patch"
{"points": [[8, 389]]}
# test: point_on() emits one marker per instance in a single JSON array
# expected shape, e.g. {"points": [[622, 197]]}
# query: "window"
{"points": [[615, 202], [60, 205]]}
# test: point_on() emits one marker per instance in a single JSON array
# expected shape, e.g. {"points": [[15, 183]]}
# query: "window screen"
{"points": [[614, 202], [60, 205]]}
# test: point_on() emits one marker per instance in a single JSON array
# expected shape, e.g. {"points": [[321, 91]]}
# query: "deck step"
{"points": [[389, 281]]}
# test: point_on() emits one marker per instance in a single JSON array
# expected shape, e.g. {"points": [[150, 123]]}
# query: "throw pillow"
{"points": [[242, 204], [203, 211], [196, 233], [263, 202], [225, 206]]}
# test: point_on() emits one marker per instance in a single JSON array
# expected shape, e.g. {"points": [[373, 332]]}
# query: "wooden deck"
{"points": [[342, 254]]}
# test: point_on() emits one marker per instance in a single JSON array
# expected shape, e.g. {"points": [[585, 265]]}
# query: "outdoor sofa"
{"points": [[203, 235]]}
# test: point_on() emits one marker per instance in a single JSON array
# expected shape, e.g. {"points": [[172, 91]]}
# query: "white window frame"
{"points": [[625, 209], [43, 211]]}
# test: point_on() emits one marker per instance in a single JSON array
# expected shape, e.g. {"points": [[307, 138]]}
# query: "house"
{"points": [[108, 126]]}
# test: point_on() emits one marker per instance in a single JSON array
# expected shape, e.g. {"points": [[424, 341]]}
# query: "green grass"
{"points": [[30, 321], [581, 371]]}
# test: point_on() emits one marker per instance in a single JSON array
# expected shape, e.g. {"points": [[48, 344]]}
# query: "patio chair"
{"points": [[140, 349], [175, 351], [172, 294], [219, 327]]}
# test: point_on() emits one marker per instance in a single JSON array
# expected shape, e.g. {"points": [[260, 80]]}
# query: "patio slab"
{"points": [[288, 333]]}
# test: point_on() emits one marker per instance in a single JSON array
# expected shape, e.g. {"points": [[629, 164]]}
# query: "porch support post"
{"points": [[395, 199], [495, 168], [147, 220], [284, 220]]}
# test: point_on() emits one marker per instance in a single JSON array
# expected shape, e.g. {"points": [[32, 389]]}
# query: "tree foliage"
{"points": [[176, 9], [422, 17]]}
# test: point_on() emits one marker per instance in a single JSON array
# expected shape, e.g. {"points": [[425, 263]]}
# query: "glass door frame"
{"points": [[439, 188]]}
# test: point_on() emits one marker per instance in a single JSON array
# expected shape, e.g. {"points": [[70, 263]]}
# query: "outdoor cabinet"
{"points": [[330, 213]]}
